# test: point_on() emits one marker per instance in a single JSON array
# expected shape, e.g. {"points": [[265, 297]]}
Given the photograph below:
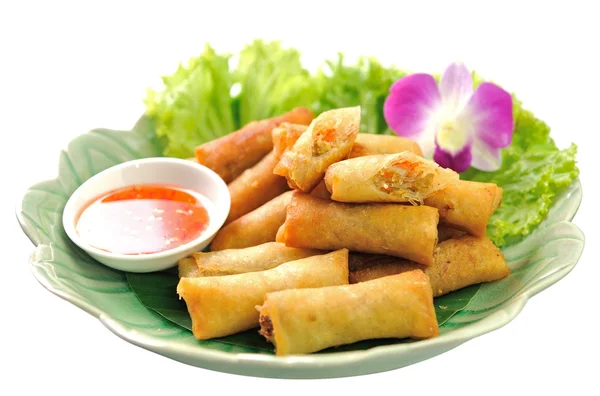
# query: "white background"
{"points": [[67, 68]]}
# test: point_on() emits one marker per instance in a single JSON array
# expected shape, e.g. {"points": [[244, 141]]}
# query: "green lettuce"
{"points": [[534, 171], [271, 81], [195, 105], [208, 98], [367, 83]]}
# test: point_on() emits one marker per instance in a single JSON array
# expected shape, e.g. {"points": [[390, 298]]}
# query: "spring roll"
{"points": [[253, 228], [239, 261], [328, 139], [359, 150], [403, 177], [230, 155], [467, 205], [458, 263], [309, 320], [255, 187], [223, 305], [392, 229], [321, 191], [445, 233], [388, 144], [285, 136], [188, 268]]}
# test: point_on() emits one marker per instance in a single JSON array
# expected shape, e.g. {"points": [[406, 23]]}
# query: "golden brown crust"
{"points": [[398, 230], [285, 136], [187, 268], [445, 232], [230, 155], [359, 150], [387, 144], [328, 139], [223, 305], [365, 267], [459, 262], [280, 237], [467, 205], [309, 320], [255, 187], [239, 261], [254, 228], [465, 261], [320, 191], [401, 177]]}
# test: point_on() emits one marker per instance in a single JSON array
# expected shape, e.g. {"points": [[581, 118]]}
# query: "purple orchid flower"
{"points": [[459, 128]]}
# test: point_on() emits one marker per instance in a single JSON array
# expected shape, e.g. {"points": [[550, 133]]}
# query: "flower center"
{"points": [[450, 137]]}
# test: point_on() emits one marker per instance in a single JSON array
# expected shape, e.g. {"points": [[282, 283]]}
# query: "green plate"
{"points": [[542, 259]]}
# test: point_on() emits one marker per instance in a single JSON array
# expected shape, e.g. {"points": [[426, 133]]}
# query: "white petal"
{"points": [[456, 87], [427, 139], [485, 157]]}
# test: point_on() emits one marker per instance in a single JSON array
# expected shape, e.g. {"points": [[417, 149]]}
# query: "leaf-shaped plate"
{"points": [[537, 262]]}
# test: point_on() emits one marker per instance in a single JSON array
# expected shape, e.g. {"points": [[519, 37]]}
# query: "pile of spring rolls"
{"points": [[335, 236]]}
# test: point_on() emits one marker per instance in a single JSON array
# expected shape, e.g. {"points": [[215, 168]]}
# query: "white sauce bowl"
{"points": [[170, 171]]}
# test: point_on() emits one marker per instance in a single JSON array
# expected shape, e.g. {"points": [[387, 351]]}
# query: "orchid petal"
{"points": [[459, 162], [411, 101], [491, 116], [456, 87], [409, 107], [486, 158]]}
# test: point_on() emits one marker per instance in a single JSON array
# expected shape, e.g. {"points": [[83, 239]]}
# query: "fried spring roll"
{"points": [[458, 263], [188, 268], [467, 205], [230, 155], [280, 237], [254, 228], [403, 177], [445, 233], [255, 187], [239, 261], [284, 137], [359, 150], [321, 191], [387, 144], [397, 230], [309, 320], [328, 139], [223, 305]]}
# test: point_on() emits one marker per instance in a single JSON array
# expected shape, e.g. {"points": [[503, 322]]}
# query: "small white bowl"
{"points": [[182, 173]]}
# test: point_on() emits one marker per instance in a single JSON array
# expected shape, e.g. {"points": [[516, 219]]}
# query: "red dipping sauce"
{"points": [[143, 219]]}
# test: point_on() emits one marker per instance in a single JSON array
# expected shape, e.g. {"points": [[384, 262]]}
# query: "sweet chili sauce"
{"points": [[143, 219]]}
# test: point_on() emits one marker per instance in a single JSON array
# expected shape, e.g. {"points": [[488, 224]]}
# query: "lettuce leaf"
{"points": [[367, 83], [271, 81], [534, 171], [195, 105]]}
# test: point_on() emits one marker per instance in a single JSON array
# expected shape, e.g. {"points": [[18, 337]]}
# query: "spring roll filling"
{"points": [[324, 140], [266, 327], [410, 177]]}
